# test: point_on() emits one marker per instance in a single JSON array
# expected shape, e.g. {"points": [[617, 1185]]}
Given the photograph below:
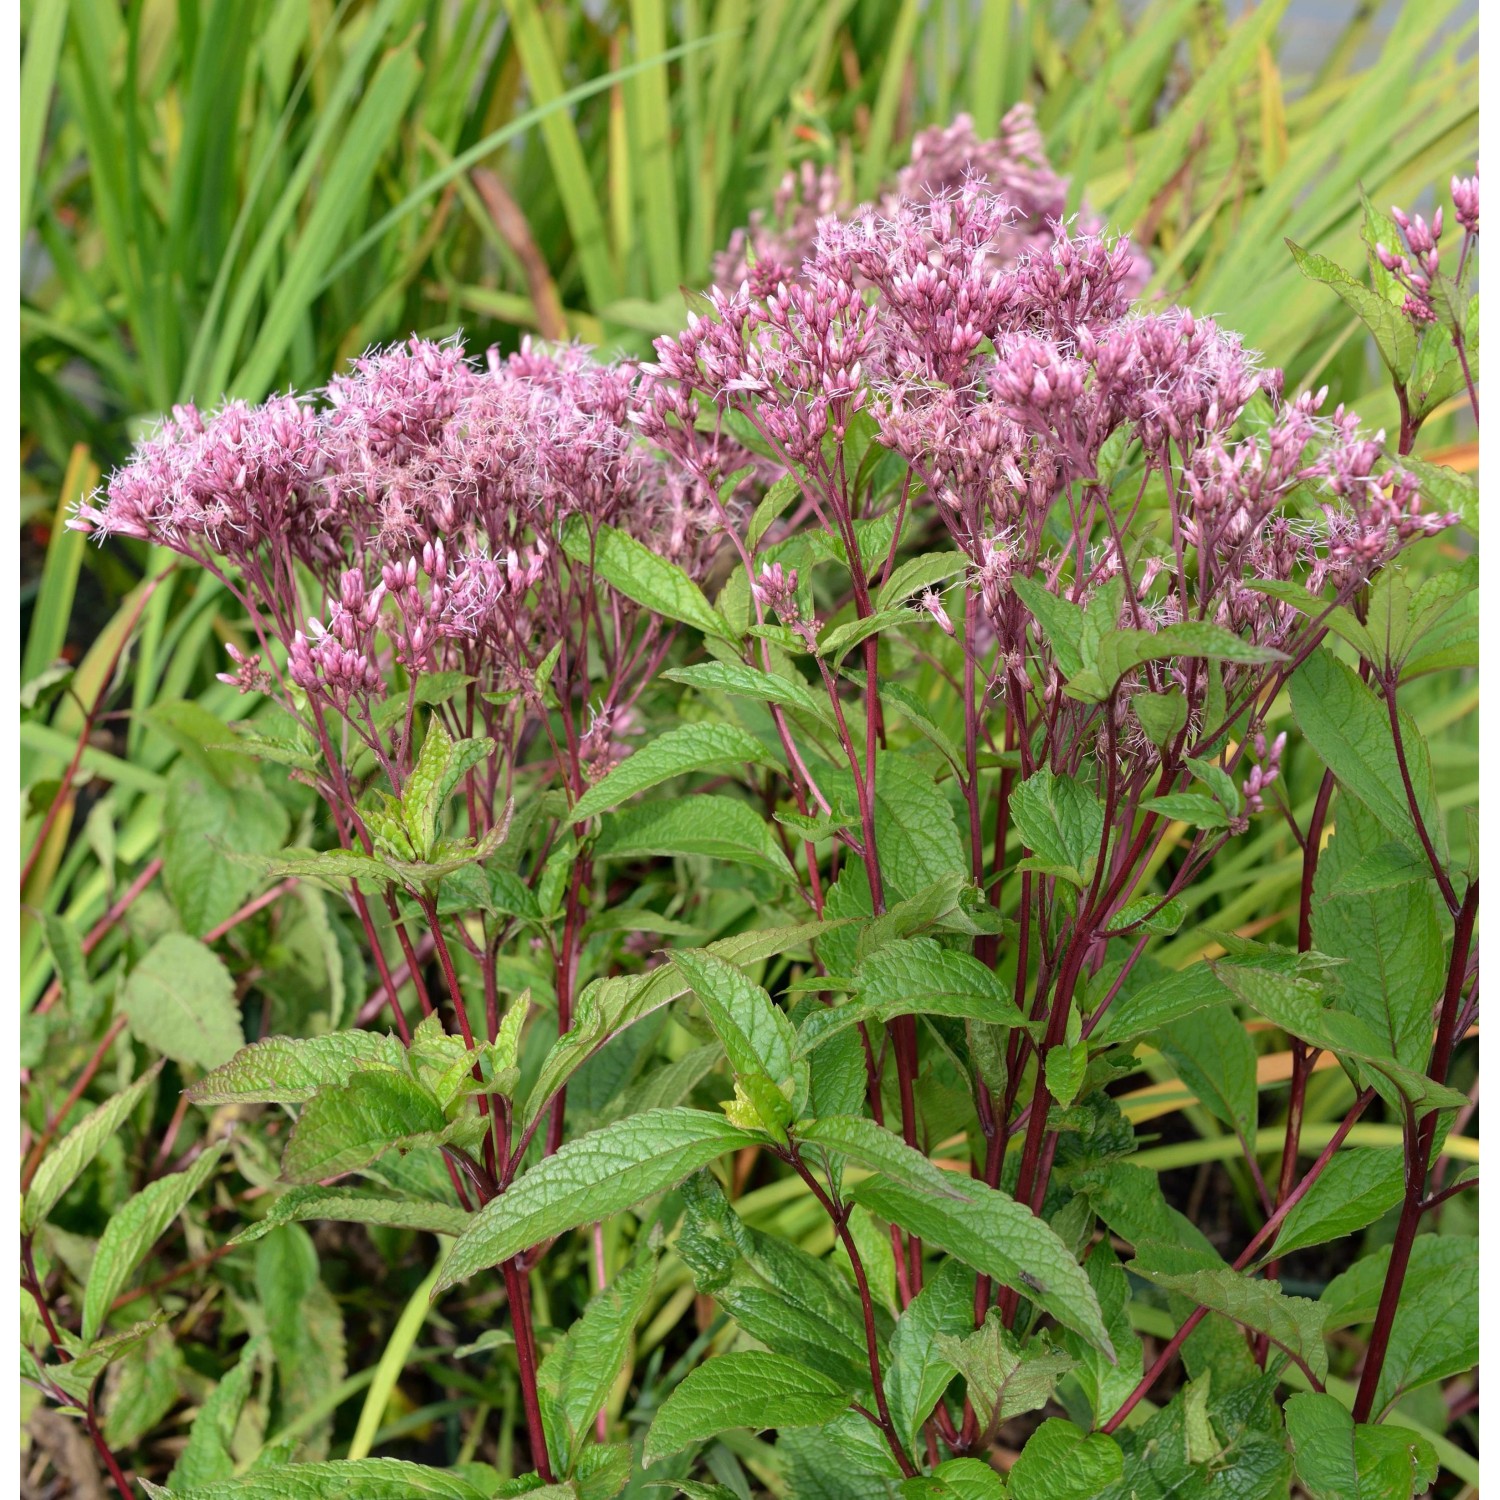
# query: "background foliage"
{"points": [[238, 198]]}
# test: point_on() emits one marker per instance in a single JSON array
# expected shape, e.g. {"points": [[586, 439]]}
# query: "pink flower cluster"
{"points": [[1012, 167]]}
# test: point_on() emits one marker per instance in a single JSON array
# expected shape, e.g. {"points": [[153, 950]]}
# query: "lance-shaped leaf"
{"points": [[340, 1479], [348, 1205], [756, 1034], [606, 1006], [1292, 1323], [740, 681], [1005, 1376], [721, 828], [62, 1166], [1295, 1004], [591, 1178], [689, 747], [575, 1379], [1060, 1462], [288, 1070], [346, 1126], [1350, 730], [638, 573], [754, 1389], [1350, 1193], [131, 1232], [180, 999], [981, 1225], [916, 977], [792, 1302]]}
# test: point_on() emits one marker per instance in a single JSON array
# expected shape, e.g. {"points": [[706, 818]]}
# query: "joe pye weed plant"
{"points": [[795, 757]]}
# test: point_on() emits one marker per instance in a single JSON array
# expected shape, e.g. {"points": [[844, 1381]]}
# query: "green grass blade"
{"points": [[652, 149], [44, 38], [65, 549], [897, 58], [374, 123]]}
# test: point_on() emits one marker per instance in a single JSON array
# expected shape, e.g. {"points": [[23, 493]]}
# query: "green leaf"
{"points": [[591, 1178], [1005, 1376], [208, 1455], [1062, 622], [141, 1388], [1159, 997], [345, 1126], [68, 958], [1351, 733], [180, 1000], [1354, 1190], [915, 833], [1436, 1330], [1061, 822], [1061, 1463], [917, 1373], [721, 828], [956, 1479], [62, 1166], [343, 1479], [754, 1389], [1106, 1384], [1386, 931], [204, 824], [1294, 1004], [919, 715], [575, 1379], [1292, 1323], [1390, 329], [837, 643], [919, 573], [639, 574], [740, 681], [981, 1225], [1337, 1459], [776, 499], [1119, 651], [788, 1300], [689, 747], [133, 1229], [287, 1070], [1214, 1057], [915, 976], [607, 1006], [355, 1206], [756, 1034], [1162, 716], [1188, 807]]}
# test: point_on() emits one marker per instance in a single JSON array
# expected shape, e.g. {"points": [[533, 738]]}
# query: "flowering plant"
{"points": [[977, 593]]}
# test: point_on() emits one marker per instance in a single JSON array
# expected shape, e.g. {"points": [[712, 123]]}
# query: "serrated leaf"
{"points": [[341, 1479], [740, 681], [981, 1225], [290, 1070], [721, 828], [1120, 651], [754, 1389], [1188, 807], [345, 1126], [1293, 1323], [1436, 1330], [1354, 1190], [1294, 1004], [133, 1229], [208, 1455], [773, 504], [355, 1206], [62, 1166], [916, 976], [1350, 731], [1005, 1377], [591, 1178], [180, 1000], [575, 1379], [1062, 623], [1061, 1463], [1337, 1459], [1390, 329], [919, 573], [689, 747], [638, 573], [756, 1034], [917, 1373], [1061, 822], [204, 824]]}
